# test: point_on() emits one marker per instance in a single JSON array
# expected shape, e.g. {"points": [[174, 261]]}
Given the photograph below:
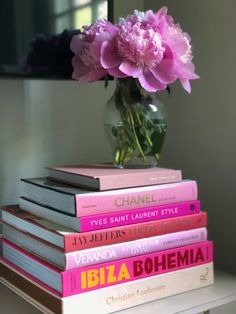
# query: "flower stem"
{"points": [[135, 134], [149, 141]]}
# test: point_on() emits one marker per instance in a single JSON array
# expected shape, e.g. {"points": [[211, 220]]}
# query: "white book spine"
{"points": [[120, 297]]}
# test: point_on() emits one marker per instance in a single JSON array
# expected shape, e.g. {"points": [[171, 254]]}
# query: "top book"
{"points": [[103, 177]]}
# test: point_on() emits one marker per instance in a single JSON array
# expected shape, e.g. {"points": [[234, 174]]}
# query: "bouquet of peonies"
{"points": [[147, 46], [147, 52]]}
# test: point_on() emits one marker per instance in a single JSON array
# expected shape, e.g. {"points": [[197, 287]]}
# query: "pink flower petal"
{"points": [[161, 13], [150, 83], [95, 48], [116, 72], [163, 72], [76, 44], [187, 71], [112, 29], [109, 55], [168, 54], [93, 75], [186, 85], [130, 69], [150, 17], [80, 68], [180, 46], [85, 73]]}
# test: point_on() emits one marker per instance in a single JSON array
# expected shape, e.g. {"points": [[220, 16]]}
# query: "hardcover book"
{"points": [[80, 202], [70, 241], [111, 219], [102, 254], [107, 274], [108, 177], [110, 299]]}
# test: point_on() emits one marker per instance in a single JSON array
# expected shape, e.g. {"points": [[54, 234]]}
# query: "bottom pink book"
{"points": [[110, 299], [107, 274]]}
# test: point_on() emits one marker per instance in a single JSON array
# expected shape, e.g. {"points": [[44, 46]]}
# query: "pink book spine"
{"points": [[135, 198], [133, 248], [121, 218], [129, 269], [137, 179]]}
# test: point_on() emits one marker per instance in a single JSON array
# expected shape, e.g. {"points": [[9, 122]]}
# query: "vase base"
{"points": [[134, 167], [137, 164]]}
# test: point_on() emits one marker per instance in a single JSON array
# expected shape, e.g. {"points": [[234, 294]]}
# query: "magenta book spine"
{"points": [[129, 269], [113, 252], [134, 216], [135, 198]]}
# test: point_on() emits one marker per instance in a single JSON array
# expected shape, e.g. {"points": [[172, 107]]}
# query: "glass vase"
{"points": [[135, 124]]}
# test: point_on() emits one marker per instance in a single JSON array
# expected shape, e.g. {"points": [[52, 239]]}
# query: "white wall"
{"points": [[202, 126], [48, 122], [51, 122], [125, 7]]}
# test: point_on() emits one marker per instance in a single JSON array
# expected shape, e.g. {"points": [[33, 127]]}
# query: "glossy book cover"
{"points": [[107, 274], [107, 177], [80, 202]]}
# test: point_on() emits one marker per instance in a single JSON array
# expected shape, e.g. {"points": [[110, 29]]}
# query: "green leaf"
{"points": [[157, 140]]}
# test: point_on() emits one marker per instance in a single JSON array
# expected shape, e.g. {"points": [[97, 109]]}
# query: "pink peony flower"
{"points": [[151, 48], [87, 49], [179, 44]]}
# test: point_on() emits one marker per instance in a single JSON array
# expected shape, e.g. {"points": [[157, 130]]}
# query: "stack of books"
{"points": [[105, 239]]}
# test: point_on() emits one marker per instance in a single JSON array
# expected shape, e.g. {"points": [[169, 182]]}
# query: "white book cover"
{"points": [[120, 297]]}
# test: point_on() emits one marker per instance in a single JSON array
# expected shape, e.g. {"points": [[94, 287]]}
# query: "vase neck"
{"points": [[130, 83], [130, 89]]}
